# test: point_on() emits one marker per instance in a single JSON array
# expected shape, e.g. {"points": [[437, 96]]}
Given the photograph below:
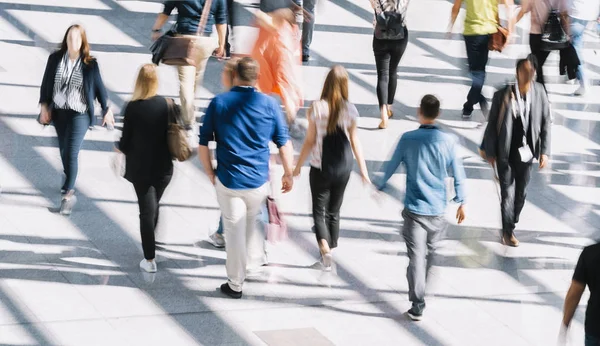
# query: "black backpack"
{"points": [[336, 156], [389, 25], [554, 36]]}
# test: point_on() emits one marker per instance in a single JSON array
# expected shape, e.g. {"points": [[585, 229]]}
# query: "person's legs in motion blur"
{"points": [[535, 44], [332, 213], [477, 56], [191, 76], [308, 26], [591, 340], [522, 176], [398, 49], [383, 57], [507, 181], [577, 28], [321, 193], [230, 22], [149, 196], [421, 234]]}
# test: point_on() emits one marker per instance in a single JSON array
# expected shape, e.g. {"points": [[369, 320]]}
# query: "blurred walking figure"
{"points": [[189, 13], [517, 132], [389, 44], [581, 14], [217, 239], [308, 27], [331, 139], [539, 11], [428, 154], [243, 121], [586, 274], [481, 21], [277, 51], [71, 84], [148, 163]]}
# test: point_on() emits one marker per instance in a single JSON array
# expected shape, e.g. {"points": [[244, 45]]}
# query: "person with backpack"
{"points": [[390, 38], [541, 11], [148, 161], [481, 21], [331, 138], [518, 131], [428, 154]]}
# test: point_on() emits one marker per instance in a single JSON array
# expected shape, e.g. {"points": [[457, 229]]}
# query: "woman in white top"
{"points": [[539, 10], [331, 138]]}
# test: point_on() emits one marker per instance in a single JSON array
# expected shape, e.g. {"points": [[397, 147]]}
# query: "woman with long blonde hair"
{"points": [[332, 138], [148, 164]]}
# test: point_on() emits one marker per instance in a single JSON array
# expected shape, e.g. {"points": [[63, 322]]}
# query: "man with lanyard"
{"points": [[518, 131]]}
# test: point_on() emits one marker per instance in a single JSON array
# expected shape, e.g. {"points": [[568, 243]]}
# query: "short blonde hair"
{"points": [[146, 85]]}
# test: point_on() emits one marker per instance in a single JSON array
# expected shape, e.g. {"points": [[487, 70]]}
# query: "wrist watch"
{"points": [[155, 30]]}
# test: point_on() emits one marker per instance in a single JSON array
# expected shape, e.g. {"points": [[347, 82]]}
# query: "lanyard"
{"points": [[524, 110]]}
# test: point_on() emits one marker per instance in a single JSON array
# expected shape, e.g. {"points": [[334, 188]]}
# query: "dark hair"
{"points": [[430, 107], [84, 51], [527, 66], [247, 70]]}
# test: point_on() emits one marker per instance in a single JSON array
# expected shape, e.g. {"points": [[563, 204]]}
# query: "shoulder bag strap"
{"points": [[204, 16], [502, 114]]}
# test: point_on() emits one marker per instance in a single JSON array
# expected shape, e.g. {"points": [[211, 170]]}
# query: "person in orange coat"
{"points": [[277, 50]]}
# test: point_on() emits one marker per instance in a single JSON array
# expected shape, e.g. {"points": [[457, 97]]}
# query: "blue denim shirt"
{"points": [[428, 153], [190, 11]]}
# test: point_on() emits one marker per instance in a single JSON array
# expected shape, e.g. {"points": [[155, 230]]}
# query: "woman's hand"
{"points": [[365, 178], [109, 119], [296, 172], [45, 116]]}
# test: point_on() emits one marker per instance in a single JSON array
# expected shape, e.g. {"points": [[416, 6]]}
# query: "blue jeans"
{"points": [[308, 27], [591, 340], [577, 33], [71, 128], [477, 56]]}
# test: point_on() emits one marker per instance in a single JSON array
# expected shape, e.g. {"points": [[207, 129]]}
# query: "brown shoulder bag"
{"points": [[177, 139]]}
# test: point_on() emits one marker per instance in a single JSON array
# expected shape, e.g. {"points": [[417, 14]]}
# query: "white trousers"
{"points": [[244, 238]]}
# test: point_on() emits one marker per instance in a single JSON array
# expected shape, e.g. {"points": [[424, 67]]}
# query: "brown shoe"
{"points": [[383, 125], [510, 240], [390, 113]]}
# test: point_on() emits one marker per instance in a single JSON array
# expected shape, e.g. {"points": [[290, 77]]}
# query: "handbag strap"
{"points": [[204, 16]]}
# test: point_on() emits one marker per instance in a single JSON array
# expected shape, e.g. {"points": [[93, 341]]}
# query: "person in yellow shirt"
{"points": [[481, 21]]}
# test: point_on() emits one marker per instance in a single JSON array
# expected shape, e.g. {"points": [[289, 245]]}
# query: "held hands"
{"points": [[287, 182], [543, 161]]}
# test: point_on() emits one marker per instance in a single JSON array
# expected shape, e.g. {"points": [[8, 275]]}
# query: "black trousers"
{"points": [[149, 195], [387, 58], [327, 198], [230, 25], [514, 177], [535, 44]]}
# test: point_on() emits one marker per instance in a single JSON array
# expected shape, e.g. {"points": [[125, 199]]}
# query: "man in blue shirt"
{"points": [[243, 121], [428, 154], [189, 13]]}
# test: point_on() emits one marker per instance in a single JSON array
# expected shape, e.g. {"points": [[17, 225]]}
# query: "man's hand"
{"points": [[156, 35], [543, 161], [287, 182], [491, 160], [460, 214], [219, 52], [212, 178]]}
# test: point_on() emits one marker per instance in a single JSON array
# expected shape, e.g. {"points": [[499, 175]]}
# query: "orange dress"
{"points": [[279, 60]]}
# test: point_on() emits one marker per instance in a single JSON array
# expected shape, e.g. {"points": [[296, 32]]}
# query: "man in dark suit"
{"points": [[517, 132]]}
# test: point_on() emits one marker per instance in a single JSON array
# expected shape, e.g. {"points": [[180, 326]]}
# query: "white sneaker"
{"points": [[148, 266], [217, 240], [580, 91], [327, 262]]}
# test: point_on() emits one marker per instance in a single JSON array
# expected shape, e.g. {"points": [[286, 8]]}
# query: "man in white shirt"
{"points": [[582, 12]]}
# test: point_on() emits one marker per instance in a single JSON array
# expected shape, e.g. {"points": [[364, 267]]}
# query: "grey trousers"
{"points": [[421, 233], [308, 27]]}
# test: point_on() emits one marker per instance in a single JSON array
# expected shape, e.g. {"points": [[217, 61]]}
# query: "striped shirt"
{"points": [[389, 5], [68, 86], [320, 115]]}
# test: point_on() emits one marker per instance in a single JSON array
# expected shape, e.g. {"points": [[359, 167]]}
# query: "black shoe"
{"points": [[229, 292], [414, 315], [305, 58]]}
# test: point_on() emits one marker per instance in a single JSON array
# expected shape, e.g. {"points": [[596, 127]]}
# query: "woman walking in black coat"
{"points": [[70, 85], [148, 162]]}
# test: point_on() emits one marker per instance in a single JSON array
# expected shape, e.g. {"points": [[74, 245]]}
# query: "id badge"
{"points": [[525, 153]]}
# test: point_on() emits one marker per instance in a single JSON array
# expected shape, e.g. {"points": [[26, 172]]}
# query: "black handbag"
{"points": [[389, 25], [159, 46]]}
